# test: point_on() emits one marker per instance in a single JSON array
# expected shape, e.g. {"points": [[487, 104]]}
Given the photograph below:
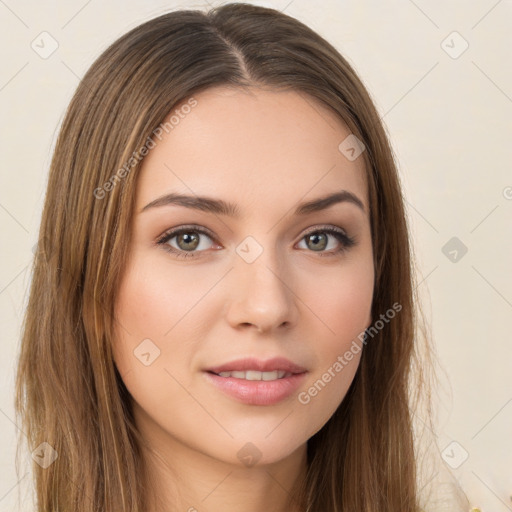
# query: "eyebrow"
{"points": [[220, 207]]}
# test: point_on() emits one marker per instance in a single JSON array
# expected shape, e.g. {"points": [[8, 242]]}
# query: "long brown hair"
{"points": [[69, 393]]}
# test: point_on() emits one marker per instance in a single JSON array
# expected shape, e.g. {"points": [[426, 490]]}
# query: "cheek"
{"points": [[155, 297], [154, 342], [150, 305], [342, 301], [342, 307]]}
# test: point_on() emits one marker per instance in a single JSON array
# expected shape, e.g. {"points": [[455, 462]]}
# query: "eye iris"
{"points": [[316, 236], [188, 239]]}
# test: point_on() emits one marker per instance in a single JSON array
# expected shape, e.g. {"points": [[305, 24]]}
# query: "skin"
{"points": [[265, 151]]}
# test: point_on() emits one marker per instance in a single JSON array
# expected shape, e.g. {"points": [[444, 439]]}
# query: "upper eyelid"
{"points": [[172, 232]]}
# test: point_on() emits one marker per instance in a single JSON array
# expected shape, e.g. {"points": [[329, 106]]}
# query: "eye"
{"points": [[188, 241], [318, 240]]}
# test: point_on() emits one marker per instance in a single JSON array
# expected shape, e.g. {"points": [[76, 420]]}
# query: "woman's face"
{"points": [[263, 269]]}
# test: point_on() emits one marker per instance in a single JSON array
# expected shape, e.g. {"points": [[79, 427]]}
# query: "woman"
{"points": [[222, 308]]}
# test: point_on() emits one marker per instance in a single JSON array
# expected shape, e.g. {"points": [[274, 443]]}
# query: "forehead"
{"points": [[258, 145]]}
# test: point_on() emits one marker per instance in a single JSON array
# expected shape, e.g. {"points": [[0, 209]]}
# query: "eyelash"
{"points": [[346, 241]]}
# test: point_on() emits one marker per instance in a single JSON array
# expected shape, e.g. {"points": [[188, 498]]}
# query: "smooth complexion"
{"points": [[305, 298]]}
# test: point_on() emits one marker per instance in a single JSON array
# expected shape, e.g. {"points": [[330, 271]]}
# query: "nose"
{"points": [[261, 295]]}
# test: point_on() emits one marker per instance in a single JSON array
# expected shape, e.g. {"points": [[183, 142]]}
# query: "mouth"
{"points": [[256, 375], [255, 382]]}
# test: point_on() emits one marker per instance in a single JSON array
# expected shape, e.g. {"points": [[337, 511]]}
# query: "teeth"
{"points": [[255, 375]]}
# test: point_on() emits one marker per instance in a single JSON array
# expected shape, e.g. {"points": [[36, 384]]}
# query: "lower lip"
{"points": [[257, 392]]}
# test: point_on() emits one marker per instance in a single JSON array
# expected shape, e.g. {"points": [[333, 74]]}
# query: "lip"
{"points": [[250, 363], [257, 392]]}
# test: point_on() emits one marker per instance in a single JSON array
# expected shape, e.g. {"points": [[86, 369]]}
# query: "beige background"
{"points": [[448, 115]]}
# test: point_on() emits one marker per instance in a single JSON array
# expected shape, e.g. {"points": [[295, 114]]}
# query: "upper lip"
{"points": [[250, 363]]}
